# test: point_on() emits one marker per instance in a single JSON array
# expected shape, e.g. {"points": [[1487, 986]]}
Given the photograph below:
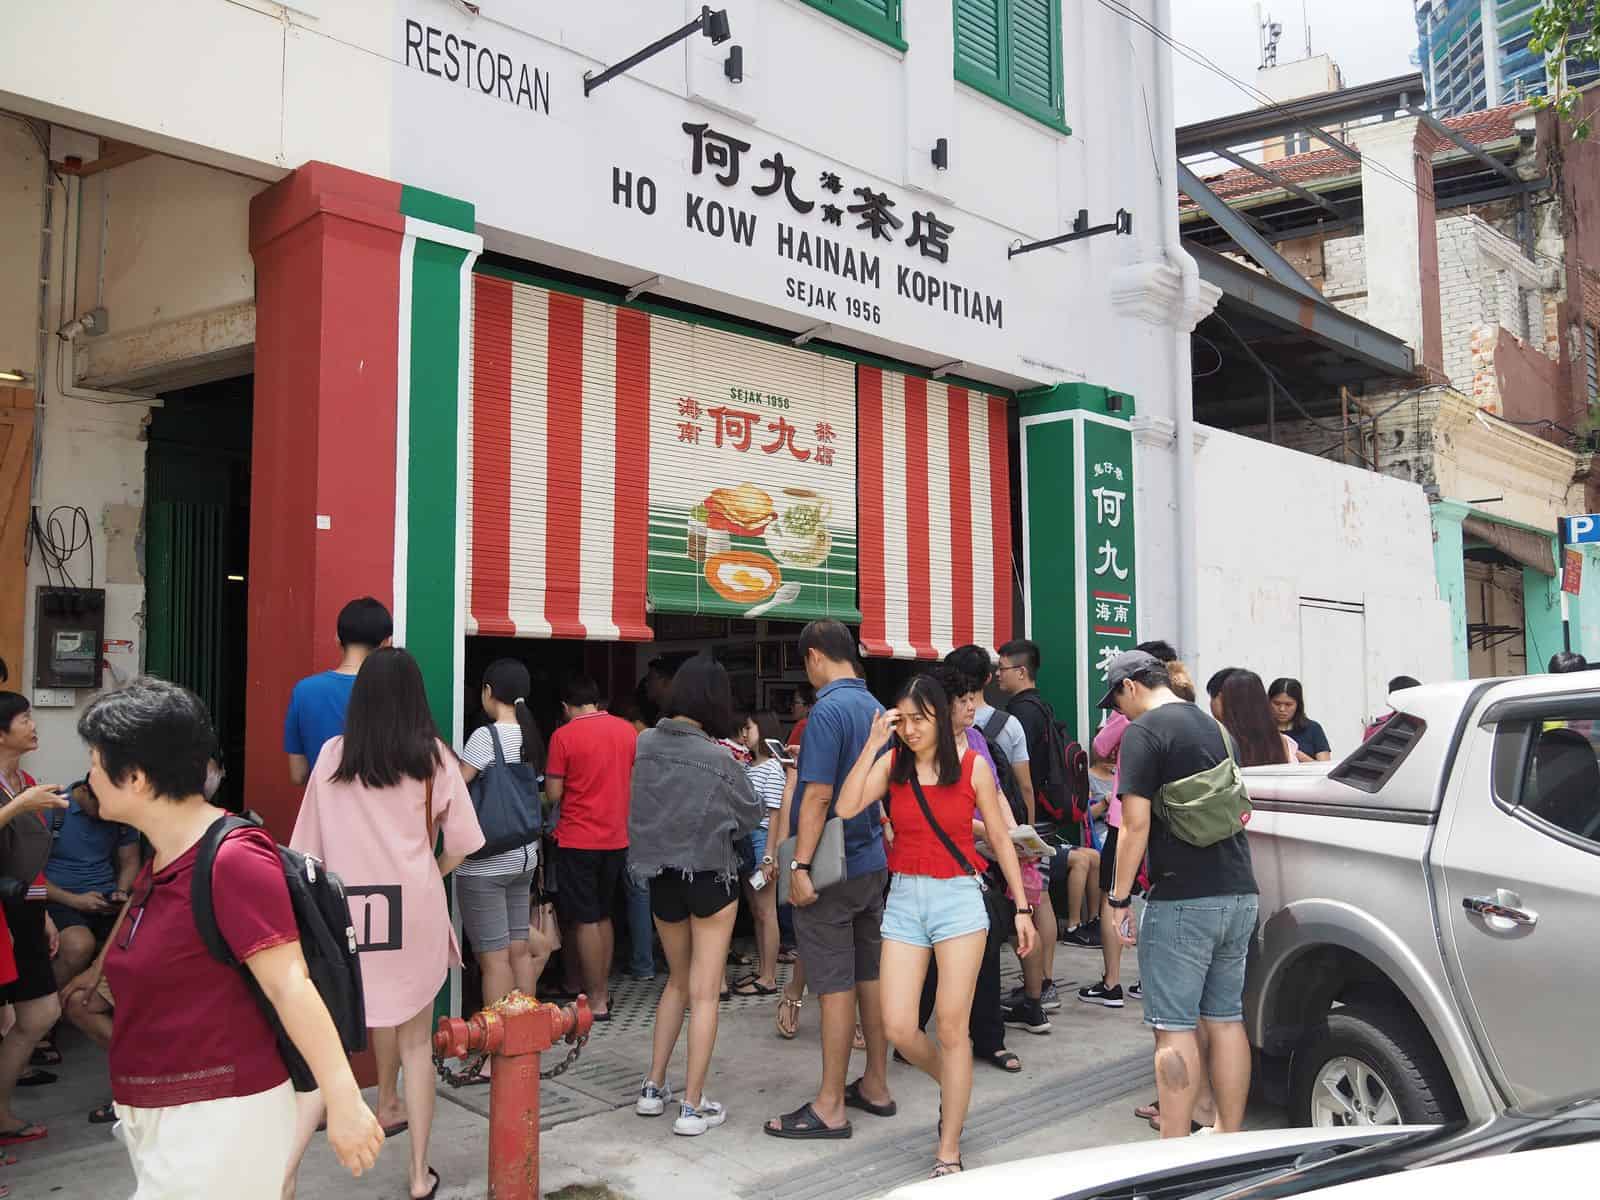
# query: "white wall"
{"points": [[1278, 527]]}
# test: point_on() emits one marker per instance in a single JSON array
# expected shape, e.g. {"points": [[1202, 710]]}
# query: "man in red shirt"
{"points": [[589, 772]]}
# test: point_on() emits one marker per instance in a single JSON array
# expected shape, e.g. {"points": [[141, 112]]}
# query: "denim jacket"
{"points": [[691, 804]]}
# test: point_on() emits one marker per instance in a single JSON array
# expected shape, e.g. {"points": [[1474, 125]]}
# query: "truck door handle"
{"points": [[1502, 906]]}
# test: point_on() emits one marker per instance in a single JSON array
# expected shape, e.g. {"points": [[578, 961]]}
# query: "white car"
{"points": [[1543, 1153]]}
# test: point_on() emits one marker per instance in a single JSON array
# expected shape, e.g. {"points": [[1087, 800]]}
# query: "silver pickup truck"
{"points": [[1429, 944]]}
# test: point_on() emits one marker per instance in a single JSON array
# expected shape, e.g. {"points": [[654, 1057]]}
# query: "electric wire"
{"points": [[58, 544]]}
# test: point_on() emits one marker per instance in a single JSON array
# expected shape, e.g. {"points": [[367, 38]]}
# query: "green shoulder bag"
{"points": [[1207, 807]]}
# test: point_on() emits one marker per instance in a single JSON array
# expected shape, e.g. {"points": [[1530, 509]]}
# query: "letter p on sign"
{"points": [[1582, 529]]}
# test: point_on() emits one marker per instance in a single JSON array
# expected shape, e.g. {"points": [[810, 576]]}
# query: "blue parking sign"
{"points": [[1577, 530]]}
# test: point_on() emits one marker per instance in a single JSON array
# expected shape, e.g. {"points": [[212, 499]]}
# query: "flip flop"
{"points": [[34, 1077], [434, 1190], [1006, 1060], [1149, 1112], [396, 1129], [104, 1115], [792, 1008], [790, 955], [752, 987], [46, 1055], [803, 1124], [27, 1132], [854, 1099]]}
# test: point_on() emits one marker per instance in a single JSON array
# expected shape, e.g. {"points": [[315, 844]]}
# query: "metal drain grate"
{"points": [[871, 1170]]}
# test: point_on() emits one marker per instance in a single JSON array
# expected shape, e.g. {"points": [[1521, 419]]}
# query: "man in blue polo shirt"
{"points": [[318, 702], [92, 866], [837, 929]]}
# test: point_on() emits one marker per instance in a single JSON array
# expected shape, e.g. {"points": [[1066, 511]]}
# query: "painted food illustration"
{"points": [[741, 577], [745, 510], [799, 536]]}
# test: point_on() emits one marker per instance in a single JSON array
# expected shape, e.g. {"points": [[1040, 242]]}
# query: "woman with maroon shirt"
{"points": [[935, 907], [202, 1096], [32, 990]]}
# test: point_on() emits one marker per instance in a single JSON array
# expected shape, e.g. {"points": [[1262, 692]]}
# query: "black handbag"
{"points": [[999, 907]]}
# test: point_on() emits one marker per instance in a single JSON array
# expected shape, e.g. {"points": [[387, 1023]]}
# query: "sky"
{"points": [[1369, 39]]}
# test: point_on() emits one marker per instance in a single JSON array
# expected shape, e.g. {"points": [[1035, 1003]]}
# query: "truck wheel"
{"points": [[1370, 1065]]}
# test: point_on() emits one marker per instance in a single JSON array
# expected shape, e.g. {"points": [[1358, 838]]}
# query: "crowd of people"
{"points": [[892, 856]]}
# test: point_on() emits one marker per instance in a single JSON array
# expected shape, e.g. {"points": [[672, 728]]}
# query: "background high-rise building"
{"points": [[1475, 54]]}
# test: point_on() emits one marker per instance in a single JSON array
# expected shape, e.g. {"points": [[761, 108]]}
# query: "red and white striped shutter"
{"points": [[560, 429], [935, 516]]}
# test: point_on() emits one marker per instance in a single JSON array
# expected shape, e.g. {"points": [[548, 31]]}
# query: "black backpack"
{"points": [[506, 798], [327, 939], [1007, 778], [1061, 773]]}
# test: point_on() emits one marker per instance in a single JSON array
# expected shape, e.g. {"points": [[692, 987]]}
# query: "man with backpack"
{"points": [[1184, 801], [1047, 789]]}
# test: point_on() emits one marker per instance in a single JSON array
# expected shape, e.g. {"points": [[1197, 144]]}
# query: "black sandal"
{"points": [[45, 1054], [942, 1168], [803, 1124], [1006, 1060], [104, 1115], [751, 986], [854, 1099]]}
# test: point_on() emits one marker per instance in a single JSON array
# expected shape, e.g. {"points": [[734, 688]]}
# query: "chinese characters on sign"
{"points": [[841, 231], [1108, 547]]}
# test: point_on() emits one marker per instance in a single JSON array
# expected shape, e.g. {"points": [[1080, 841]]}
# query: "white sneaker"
{"points": [[653, 1100], [693, 1121]]}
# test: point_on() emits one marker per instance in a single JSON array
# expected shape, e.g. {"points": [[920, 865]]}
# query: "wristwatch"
{"points": [[800, 866], [1125, 902], [767, 860], [1025, 910]]}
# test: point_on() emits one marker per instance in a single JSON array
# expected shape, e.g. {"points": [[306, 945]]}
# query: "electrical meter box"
{"points": [[72, 625]]}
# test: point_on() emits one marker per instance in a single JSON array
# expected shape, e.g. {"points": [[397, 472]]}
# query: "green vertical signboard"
{"points": [[1079, 542]]}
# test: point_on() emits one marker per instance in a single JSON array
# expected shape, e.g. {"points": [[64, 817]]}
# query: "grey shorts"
{"points": [[840, 935], [495, 908]]}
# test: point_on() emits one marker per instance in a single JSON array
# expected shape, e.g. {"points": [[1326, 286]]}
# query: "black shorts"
{"points": [[98, 924], [586, 884], [25, 919], [674, 897]]}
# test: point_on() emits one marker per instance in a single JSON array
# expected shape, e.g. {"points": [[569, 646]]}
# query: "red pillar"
{"points": [[326, 244]]}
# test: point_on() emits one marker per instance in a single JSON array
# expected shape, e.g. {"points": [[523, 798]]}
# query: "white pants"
{"points": [[236, 1148]]}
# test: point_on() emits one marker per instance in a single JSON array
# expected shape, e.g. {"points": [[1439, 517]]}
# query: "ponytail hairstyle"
{"points": [[508, 681]]}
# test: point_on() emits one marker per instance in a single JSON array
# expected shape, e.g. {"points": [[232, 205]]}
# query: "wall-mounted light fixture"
{"points": [[941, 154], [713, 24], [14, 375], [1113, 402], [733, 65]]}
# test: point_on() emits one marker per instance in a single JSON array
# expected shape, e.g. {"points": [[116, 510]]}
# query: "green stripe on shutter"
{"points": [[978, 37], [1032, 61], [876, 18]]}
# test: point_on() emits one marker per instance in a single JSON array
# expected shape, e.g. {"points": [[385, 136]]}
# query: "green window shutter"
{"points": [[877, 18], [980, 41], [1033, 54]]}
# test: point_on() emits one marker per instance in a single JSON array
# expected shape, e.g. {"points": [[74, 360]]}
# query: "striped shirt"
{"points": [[479, 752], [767, 777]]}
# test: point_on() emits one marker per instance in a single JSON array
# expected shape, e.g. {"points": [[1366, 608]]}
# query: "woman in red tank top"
{"points": [[935, 907]]}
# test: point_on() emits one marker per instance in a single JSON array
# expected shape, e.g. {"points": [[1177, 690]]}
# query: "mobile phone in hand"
{"points": [[780, 752]]}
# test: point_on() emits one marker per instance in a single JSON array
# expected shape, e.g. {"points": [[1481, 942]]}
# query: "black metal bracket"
{"points": [[713, 24], [1080, 229]]}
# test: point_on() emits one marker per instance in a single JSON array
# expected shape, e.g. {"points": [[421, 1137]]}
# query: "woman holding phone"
{"points": [[936, 907], [759, 734]]}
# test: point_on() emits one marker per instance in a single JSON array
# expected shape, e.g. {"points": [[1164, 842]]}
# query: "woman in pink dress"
{"points": [[374, 805]]}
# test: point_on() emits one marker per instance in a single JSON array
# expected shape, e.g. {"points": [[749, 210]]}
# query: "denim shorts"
{"points": [[1192, 955], [923, 912]]}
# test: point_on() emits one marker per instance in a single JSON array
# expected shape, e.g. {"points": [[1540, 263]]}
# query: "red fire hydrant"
{"points": [[515, 1031]]}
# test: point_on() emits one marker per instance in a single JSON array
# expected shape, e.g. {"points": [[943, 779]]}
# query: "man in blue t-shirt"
{"points": [[318, 702], [92, 865], [837, 929]]}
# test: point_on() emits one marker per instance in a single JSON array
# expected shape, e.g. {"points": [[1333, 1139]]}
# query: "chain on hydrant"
{"points": [[512, 1033]]}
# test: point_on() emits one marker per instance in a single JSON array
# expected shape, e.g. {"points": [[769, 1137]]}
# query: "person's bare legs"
{"points": [[75, 952], [959, 960], [524, 967], [386, 1050], [793, 993], [1110, 943], [595, 945], [1228, 1061], [1044, 920], [709, 938], [838, 1029], [677, 946], [495, 968], [902, 971], [1083, 880], [415, 1039], [869, 1008], [1177, 1080], [764, 913], [35, 1018]]}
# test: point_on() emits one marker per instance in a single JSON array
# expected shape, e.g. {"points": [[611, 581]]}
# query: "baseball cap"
{"points": [[1124, 667]]}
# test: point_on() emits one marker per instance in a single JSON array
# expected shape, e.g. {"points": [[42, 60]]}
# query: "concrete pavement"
{"points": [[1077, 1089]]}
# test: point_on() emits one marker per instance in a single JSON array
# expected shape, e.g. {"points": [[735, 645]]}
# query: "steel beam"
{"points": [[1245, 235], [1383, 98], [1273, 302], [1278, 181], [1478, 152]]}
